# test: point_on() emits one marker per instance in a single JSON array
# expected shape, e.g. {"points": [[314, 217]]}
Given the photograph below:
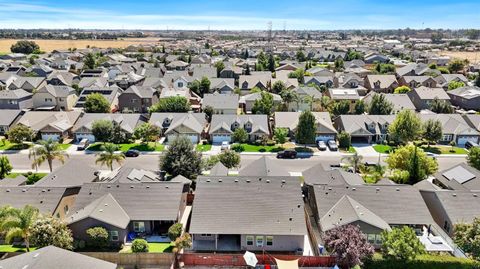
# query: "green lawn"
{"points": [[64, 146], [152, 248], [255, 148], [7, 145], [383, 148], [349, 150], [10, 248], [204, 147], [125, 147], [445, 150], [31, 179]]}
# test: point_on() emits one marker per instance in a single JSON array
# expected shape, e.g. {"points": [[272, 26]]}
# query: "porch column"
{"points": [[216, 241]]}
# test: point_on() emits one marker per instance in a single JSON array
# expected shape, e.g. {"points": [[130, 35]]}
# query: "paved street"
{"points": [[21, 162]]}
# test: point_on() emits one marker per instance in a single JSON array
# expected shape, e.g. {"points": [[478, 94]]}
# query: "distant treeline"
{"points": [[66, 34]]}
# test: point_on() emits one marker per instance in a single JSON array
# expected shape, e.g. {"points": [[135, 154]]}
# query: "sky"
{"points": [[239, 15]]}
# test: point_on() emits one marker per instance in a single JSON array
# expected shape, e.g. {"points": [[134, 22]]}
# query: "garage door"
{"points": [[463, 139], [193, 138], [90, 137], [324, 137], [54, 137], [218, 139]]}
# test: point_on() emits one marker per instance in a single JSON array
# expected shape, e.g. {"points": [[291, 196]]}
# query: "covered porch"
{"points": [[222, 242]]}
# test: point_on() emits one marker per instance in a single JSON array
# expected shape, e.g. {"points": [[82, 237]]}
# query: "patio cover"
{"points": [[281, 264]]}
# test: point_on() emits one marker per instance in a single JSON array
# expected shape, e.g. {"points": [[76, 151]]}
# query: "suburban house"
{"points": [[28, 84], [306, 97], [347, 80], [345, 94], [247, 101], [50, 124], [89, 82], [400, 101], [444, 79], [63, 78], [221, 103], [423, 96], [416, 81], [461, 177], [467, 98], [15, 99], [222, 85], [191, 125], [326, 81], [415, 69], [40, 70], [373, 58], [127, 122], [7, 118], [110, 93], [365, 128], [137, 99], [324, 127], [248, 82], [381, 83], [242, 223], [223, 126], [374, 208], [263, 167], [53, 257], [127, 210], [52, 97], [454, 128]]}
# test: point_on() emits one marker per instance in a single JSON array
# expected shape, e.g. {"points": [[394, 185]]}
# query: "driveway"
{"points": [[365, 150]]}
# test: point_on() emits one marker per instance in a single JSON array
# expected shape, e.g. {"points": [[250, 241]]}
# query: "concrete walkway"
{"points": [[186, 214]]}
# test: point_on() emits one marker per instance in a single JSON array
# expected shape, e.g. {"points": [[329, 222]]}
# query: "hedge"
{"points": [[423, 262]]}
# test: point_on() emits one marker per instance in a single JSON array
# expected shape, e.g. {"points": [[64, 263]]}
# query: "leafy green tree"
{"points": [[229, 158], [432, 131], [383, 68], [20, 133], [306, 128], [473, 157], [301, 56], [255, 90], [325, 103], [102, 130], [181, 159], [280, 135], [443, 70], [96, 103], [184, 241], [288, 97], [18, 223], [467, 237], [208, 110], [298, 74], [240, 135], [204, 85], [139, 245], [402, 89], [97, 237], [175, 231], [339, 65], [271, 63], [109, 155], [5, 166], [456, 65], [264, 105], [47, 150], [401, 244], [379, 105], [441, 106], [25, 47], [219, 66], [360, 107], [278, 87], [452, 85], [340, 107], [412, 159], [147, 132], [477, 80], [171, 104], [344, 140], [354, 161], [195, 87], [49, 231], [90, 61], [406, 127]]}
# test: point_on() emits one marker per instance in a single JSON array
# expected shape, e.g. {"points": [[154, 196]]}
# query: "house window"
{"points": [[447, 137], [12, 102], [371, 238], [134, 100], [378, 239], [114, 235], [259, 241], [48, 100], [269, 240], [65, 209], [206, 235], [249, 240], [180, 84], [139, 226], [60, 99]]}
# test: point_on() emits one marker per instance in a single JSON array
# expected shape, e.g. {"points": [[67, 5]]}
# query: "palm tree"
{"points": [[325, 102], [18, 223], [108, 156], [288, 97], [354, 161], [48, 150]]}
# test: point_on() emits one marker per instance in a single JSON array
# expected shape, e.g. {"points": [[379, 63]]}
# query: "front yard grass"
{"points": [[7, 145], [64, 146], [349, 150], [152, 248], [445, 150], [10, 248], [204, 148], [125, 147], [31, 178], [254, 148], [380, 148]]}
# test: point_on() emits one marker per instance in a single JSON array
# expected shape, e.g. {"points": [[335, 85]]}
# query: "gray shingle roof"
{"points": [[54, 258], [290, 120], [399, 101], [220, 101], [460, 206], [452, 177], [45, 199], [8, 116], [259, 123], [248, 206], [431, 93], [319, 175], [127, 122], [193, 121], [262, 167]]}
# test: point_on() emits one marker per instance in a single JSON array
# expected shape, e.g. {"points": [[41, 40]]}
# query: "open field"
{"points": [[48, 45], [472, 56]]}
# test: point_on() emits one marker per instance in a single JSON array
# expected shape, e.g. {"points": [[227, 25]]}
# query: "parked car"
{"points": [[287, 154], [470, 145], [225, 145], [83, 145], [321, 145], [132, 153], [332, 145]]}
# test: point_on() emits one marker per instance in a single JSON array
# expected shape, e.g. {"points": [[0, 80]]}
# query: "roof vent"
{"points": [[24, 190], [208, 180], [378, 189], [44, 190], [41, 202], [259, 179], [397, 189], [268, 180], [329, 188], [283, 181], [475, 195], [106, 204], [298, 206], [236, 180], [148, 187], [8, 190], [353, 189], [108, 186], [248, 180], [220, 180], [131, 186], [100, 210], [290, 219], [454, 194], [118, 186]]}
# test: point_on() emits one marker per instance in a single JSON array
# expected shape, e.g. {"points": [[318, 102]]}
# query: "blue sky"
{"points": [[240, 15]]}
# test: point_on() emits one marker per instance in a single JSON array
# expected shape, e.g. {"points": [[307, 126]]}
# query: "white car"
{"points": [[225, 145]]}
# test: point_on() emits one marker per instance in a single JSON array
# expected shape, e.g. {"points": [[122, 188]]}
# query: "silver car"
{"points": [[321, 145], [332, 145]]}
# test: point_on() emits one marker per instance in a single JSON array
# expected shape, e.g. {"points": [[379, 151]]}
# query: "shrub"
{"points": [[97, 237], [422, 262], [271, 143], [139, 245], [48, 231], [344, 140], [262, 150], [237, 147], [175, 231]]}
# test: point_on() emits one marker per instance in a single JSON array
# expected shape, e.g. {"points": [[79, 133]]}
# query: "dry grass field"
{"points": [[49, 45], [472, 56]]}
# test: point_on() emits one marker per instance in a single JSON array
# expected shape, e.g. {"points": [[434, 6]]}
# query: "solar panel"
{"points": [[459, 174]]}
